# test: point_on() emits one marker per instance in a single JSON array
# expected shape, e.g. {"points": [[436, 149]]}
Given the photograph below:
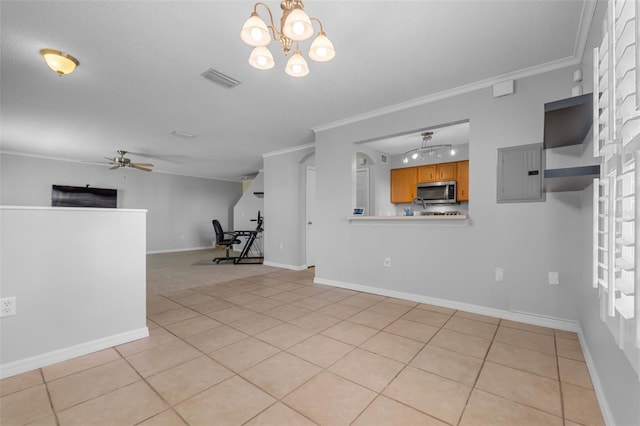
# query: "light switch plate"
{"points": [[554, 278]]}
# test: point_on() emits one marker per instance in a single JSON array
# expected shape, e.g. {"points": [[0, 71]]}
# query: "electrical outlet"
{"points": [[554, 278], [499, 275], [7, 306], [386, 262]]}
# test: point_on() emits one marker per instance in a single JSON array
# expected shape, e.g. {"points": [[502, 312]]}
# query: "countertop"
{"points": [[410, 218]]}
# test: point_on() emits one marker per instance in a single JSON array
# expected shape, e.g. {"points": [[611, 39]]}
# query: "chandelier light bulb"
{"points": [[256, 35], [452, 152], [297, 66], [261, 58], [405, 160], [322, 49], [414, 155], [297, 26], [254, 31]]}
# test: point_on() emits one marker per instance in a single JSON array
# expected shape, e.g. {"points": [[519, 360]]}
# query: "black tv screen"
{"points": [[78, 196]]}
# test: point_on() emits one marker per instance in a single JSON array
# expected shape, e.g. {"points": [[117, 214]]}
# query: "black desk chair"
{"points": [[226, 242]]}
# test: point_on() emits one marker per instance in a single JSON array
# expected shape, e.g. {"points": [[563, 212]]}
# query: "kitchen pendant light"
{"points": [[296, 26], [425, 147], [60, 62]]}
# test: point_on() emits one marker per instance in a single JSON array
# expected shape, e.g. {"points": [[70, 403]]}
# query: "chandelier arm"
{"points": [[319, 23], [275, 34]]}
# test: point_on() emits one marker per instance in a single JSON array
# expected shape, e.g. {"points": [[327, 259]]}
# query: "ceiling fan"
{"points": [[123, 161]]}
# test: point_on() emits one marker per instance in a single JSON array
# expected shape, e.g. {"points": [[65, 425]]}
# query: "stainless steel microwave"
{"points": [[437, 192]]}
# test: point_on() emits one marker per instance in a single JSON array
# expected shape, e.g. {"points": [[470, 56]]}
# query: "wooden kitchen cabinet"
{"points": [[427, 173], [403, 184], [462, 177], [437, 172], [445, 171]]}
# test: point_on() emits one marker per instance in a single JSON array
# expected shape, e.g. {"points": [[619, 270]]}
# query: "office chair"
{"points": [[222, 241]]}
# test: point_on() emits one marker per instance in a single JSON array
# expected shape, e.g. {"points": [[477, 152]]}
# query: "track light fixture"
{"points": [[425, 147], [295, 26]]}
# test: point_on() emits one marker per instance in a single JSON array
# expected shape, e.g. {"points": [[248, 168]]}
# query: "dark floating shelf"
{"points": [[567, 121], [259, 194], [570, 178]]}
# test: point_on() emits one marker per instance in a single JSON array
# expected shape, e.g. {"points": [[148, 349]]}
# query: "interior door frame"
{"points": [[309, 256]]}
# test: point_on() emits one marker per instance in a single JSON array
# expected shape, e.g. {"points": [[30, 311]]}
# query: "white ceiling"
{"points": [[140, 65]]}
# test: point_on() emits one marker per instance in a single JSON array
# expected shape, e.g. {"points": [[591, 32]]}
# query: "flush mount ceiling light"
{"points": [[426, 148], [295, 25], [60, 62]]}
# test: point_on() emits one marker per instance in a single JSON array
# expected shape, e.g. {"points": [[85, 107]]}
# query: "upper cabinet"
{"points": [[427, 173], [462, 177], [403, 184], [437, 172], [404, 180], [446, 171]]}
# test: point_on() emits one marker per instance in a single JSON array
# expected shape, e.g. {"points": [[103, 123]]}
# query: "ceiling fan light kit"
{"points": [[295, 26], [60, 62], [431, 150]]}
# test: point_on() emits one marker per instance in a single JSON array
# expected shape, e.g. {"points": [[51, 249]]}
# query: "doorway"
{"points": [[310, 203], [363, 190]]}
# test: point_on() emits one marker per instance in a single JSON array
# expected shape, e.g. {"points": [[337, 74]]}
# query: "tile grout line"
{"points": [[518, 369], [407, 364], [143, 379], [562, 408], [46, 387], [484, 360]]}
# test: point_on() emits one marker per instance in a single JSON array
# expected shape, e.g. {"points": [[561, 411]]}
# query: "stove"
{"points": [[449, 213]]}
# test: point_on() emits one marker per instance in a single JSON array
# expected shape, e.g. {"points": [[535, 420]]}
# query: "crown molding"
{"points": [[288, 150], [586, 19], [449, 93]]}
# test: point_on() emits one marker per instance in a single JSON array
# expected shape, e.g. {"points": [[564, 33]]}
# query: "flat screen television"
{"points": [[80, 196]]}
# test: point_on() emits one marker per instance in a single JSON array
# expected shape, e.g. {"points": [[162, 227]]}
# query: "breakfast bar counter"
{"points": [[410, 218]]}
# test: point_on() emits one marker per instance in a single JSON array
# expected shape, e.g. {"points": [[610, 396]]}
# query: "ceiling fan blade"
{"points": [[143, 164], [114, 167], [137, 166]]}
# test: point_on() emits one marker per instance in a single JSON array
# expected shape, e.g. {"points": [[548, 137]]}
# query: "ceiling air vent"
{"points": [[220, 78]]}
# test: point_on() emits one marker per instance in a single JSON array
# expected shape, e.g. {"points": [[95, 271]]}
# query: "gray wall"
{"points": [[457, 262], [77, 289], [180, 208], [284, 207]]}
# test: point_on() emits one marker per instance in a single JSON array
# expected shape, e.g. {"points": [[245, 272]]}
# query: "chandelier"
{"points": [[295, 26], [426, 148]]}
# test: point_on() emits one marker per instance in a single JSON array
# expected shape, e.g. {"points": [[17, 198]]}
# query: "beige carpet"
{"points": [[181, 270]]}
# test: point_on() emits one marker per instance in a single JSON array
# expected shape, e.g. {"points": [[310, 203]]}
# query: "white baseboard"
{"points": [[595, 380], [179, 250], [285, 266], [23, 365], [558, 323]]}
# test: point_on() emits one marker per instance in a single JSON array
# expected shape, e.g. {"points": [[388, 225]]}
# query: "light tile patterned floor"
{"points": [[276, 349]]}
